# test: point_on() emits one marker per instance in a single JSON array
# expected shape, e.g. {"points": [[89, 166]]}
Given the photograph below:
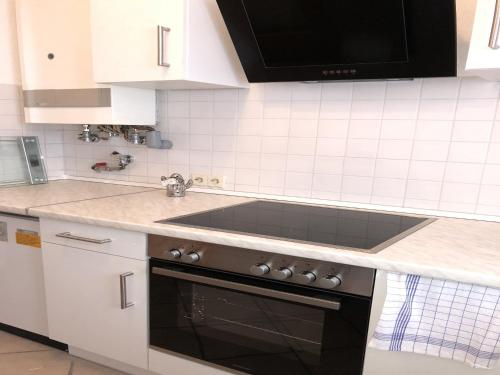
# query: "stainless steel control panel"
{"points": [[301, 271]]}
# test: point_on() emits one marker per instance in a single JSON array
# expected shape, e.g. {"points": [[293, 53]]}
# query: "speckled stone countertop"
{"points": [[454, 249], [18, 199]]}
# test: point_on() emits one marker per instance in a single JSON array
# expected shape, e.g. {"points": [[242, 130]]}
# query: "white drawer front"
{"points": [[95, 238]]}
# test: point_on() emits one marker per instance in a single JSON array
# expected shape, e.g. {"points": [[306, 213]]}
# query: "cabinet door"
{"points": [[482, 55], [54, 44], [84, 302], [125, 39]]}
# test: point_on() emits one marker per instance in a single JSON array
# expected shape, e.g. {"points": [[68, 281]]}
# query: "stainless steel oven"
{"points": [[256, 312]]}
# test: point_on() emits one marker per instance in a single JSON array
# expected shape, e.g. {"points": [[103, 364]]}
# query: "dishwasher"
{"points": [[22, 292]]}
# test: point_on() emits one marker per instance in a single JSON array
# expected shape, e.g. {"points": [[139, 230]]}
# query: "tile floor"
{"points": [[19, 356]]}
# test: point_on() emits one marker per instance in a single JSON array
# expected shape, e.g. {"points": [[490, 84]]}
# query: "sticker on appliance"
{"points": [[28, 238]]}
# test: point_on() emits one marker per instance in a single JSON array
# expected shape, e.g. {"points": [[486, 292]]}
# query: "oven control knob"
{"points": [[306, 277], [173, 254], [259, 269], [282, 273], [190, 257], [330, 282]]}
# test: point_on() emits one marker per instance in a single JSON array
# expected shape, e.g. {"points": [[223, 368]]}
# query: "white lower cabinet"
{"points": [[84, 302]]}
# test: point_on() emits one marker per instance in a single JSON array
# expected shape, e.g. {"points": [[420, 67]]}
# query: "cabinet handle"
{"points": [[70, 236], [162, 53], [495, 28], [123, 291]]}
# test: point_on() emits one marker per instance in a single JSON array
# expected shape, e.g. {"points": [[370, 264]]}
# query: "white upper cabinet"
{"points": [[57, 74], [50, 44], [163, 44], [484, 50]]}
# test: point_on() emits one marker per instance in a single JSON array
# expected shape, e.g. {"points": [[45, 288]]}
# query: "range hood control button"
{"points": [[306, 277], [330, 282], [190, 258], [259, 269], [282, 273], [173, 254]]}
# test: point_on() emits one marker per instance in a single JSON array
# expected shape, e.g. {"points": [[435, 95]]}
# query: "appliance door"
{"points": [[254, 326], [342, 39], [22, 290]]}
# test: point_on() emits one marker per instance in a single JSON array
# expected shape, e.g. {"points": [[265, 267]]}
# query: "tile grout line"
{"points": [[346, 144], [413, 141], [379, 140], [485, 163], [450, 144], [315, 154]]}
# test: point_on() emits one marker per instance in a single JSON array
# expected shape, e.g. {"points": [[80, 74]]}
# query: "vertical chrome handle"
{"points": [[495, 27], [123, 290], [162, 47]]}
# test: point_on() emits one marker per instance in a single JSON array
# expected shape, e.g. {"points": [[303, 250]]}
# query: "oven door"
{"points": [[255, 326]]}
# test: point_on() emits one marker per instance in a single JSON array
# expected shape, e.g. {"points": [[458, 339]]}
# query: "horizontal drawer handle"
{"points": [[70, 236]]}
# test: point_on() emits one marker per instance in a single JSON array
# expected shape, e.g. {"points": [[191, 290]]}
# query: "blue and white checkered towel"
{"points": [[445, 319]]}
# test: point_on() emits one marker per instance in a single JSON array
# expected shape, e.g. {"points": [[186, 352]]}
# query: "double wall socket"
{"points": [[201, 180]]}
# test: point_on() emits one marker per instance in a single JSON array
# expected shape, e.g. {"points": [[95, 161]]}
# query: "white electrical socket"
{"points": [[217, 182], [199, 180]]}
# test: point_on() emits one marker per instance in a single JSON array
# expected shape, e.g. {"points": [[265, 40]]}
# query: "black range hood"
{"points": [[312, 40]]}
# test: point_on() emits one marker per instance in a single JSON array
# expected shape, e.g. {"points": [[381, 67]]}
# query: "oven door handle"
{"points": [[327, 304]]}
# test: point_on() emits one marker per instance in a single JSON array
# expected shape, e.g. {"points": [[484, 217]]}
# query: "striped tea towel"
{"points": [[445, 319]]}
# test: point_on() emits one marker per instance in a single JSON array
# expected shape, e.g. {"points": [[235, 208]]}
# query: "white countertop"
{"points": [[454, 249], [18, 199]]}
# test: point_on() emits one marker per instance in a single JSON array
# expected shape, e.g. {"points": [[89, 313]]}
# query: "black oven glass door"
{"points": [[253, 333], [328, 32]]}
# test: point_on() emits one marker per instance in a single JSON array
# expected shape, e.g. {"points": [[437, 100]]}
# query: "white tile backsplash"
{"points": [[426, 143], [398, 129], [404, 89], [51, 137], [443, 109], [440, 88]]}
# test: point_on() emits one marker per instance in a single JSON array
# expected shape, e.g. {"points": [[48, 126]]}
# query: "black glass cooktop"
{"points": [[363, 230]]}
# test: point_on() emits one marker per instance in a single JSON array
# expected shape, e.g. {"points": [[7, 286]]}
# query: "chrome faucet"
{"points": [[175, 184]]}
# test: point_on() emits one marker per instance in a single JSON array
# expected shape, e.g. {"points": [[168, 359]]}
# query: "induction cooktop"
{"points": [[360, 230]]}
